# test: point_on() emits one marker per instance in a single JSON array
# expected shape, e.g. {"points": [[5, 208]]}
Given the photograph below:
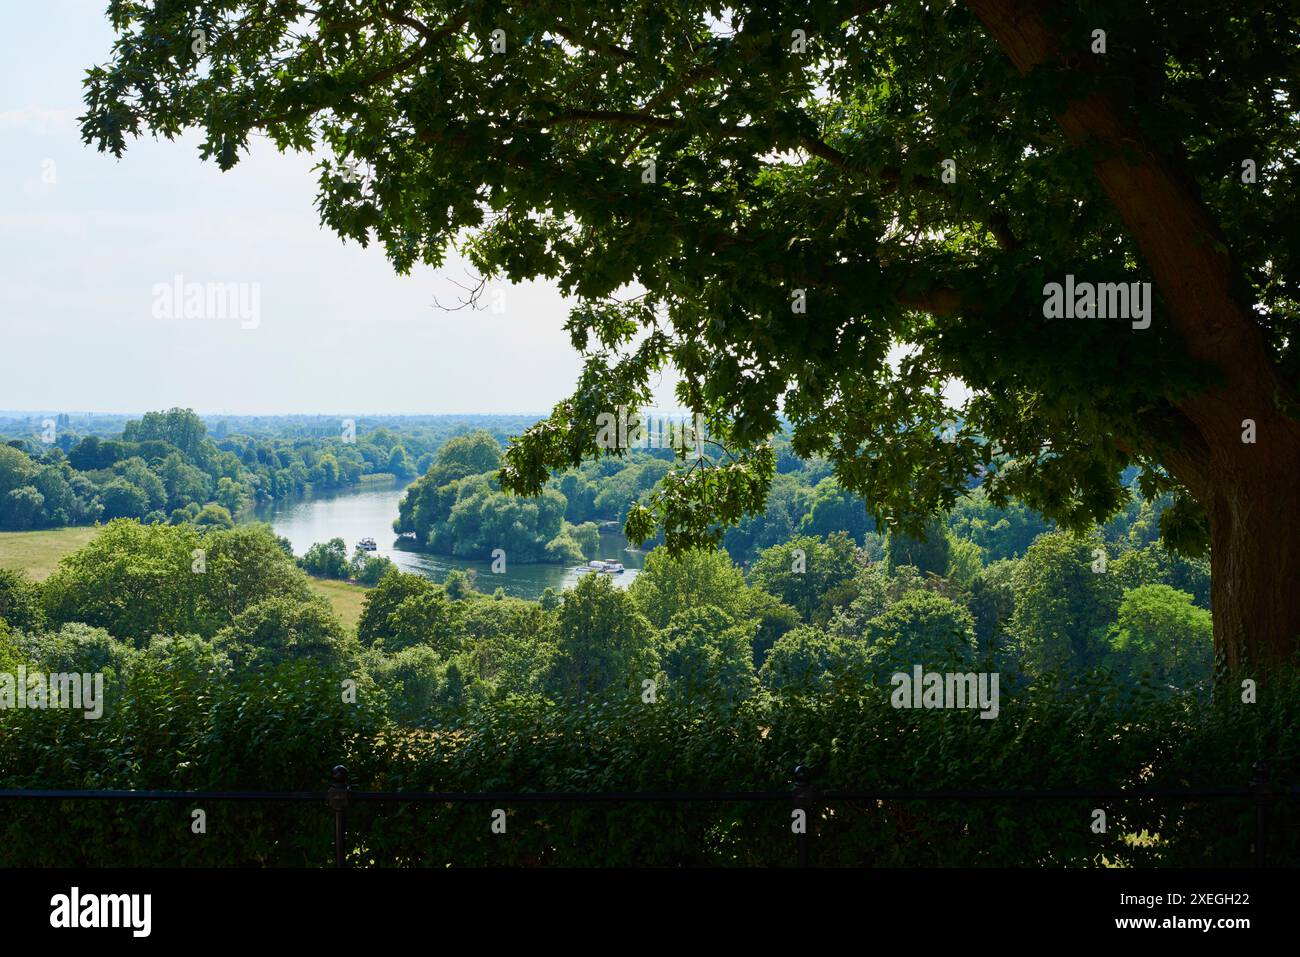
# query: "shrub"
{"points": [[283, 727]]}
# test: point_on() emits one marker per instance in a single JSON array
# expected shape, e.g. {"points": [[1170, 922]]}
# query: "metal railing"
{"points": [[803, 795]]}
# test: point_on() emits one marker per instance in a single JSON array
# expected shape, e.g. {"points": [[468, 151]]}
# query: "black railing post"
{"points": [[805, 797], [337, 796], [1261, 783]]}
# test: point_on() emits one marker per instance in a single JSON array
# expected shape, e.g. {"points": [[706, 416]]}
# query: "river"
{"points": [[354, 514]]}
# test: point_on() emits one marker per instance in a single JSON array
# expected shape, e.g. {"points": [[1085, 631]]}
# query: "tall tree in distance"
{"points": [[772, 198]]}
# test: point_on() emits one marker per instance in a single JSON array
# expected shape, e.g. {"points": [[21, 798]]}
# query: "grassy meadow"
{"points": [[38, 554]]}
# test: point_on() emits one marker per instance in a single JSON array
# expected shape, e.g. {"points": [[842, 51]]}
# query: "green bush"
{"points": [[182, 721], [137, 580], [20, 600]]}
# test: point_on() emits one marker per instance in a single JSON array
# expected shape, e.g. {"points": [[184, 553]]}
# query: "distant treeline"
{"points": [[71, 427], [174, 466]]}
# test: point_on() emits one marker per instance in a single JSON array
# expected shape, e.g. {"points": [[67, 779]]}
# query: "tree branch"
{"points": [[1184, 247]]}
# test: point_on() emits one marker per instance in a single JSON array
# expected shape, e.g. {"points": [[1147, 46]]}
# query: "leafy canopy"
{"points": [[780, 173]]}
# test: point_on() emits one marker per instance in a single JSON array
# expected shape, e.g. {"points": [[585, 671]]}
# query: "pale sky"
{"points": [[338, 330], [85, 240]]}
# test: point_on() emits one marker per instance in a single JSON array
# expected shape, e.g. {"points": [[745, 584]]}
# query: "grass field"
{"points": [[38, 554], [344, 597]]}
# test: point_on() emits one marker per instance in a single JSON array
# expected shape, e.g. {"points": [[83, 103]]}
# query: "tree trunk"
{"points": [[1250, 490], [1254, 518]]}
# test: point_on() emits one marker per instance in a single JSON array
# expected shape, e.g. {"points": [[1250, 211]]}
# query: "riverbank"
{"points": [[369, 513]]}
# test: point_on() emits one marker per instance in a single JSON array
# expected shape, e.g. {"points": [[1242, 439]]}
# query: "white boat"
{"points": [[367, 545]]}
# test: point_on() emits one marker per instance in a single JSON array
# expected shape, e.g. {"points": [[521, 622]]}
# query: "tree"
{"points": [[326, 559], [619, 492], [929, 551], [326, 472], [602, 641], [469, 516], [706, 653], [425, 505], [415, 680], [369, 569], [245, 564], [579, 495], [20, 600], [231, 495], [795, 189], [1160, 633], [832, 509], [1156, 564], [781, 519], [671, 584], [283, 629], [921, 628], [58, 503], [184, 482], [16, 469], [136, 471], [121, 499], [427, 618], [1065, 600], [564, 548], [587, 537], [91, 453], [965, 562], [773, 617], [383, 600], [213, 515], [137, 581], [181, 428], [803, 570], [460, 584], [874, 589], [1001, 532], [483, 520], [474, 453], [511, 642], [808, 659], [80, 648], [992, 602], [398, 463], [21, 508], [21, 502]]}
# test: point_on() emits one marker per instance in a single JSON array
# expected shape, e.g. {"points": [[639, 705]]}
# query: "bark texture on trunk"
{"points": [[1255, 566], [1250, 491]]}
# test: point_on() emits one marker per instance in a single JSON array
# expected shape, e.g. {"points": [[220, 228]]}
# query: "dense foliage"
{"points": [[457, 508], [213, 650], [829, 212]]}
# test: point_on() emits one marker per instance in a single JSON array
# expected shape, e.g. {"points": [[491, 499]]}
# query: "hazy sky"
{"points": [[338, 330], [85, 240]]}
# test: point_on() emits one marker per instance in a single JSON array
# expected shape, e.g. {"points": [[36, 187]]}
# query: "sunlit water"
{"points": [[353, 515]]}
